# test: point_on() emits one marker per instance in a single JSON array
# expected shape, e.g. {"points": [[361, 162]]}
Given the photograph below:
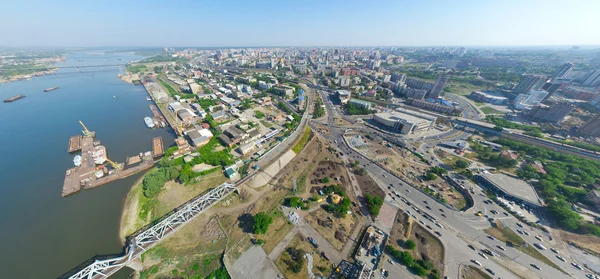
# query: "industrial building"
{"points": [[517, 189], [530, 82], [405, 121], [530, 99], [591, 128]]}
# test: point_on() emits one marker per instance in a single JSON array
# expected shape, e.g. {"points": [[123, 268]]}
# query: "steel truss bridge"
{"points": [[147, 237]]}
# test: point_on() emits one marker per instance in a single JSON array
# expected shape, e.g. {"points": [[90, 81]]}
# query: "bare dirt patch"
{"points": [[335, 230], [470, 272], [320, 266], [588, 242], [369, 186]]}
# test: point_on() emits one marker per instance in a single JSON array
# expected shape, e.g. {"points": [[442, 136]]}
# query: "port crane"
{"points": [[85, 130], [113, 164]]}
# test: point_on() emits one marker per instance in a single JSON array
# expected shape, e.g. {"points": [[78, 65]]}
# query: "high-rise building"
{"points": [[530, 82], [438, 86], [530, 99], [554, 114], [551, 88], [591, 128], [398, 77], [563, 70], [592, 79], [386, 78]]}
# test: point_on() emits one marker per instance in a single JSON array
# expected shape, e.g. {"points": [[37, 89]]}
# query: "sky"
{"points": [[26, 23]]}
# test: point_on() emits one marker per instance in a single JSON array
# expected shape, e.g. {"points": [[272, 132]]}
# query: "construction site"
{"points": [[93, 168]]}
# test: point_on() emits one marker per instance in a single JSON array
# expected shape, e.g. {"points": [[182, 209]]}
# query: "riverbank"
{"points": [[27, 76], [130, 78]]}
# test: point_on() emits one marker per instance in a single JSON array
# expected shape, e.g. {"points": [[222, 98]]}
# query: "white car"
{"points": [[538, 238], [438, 224], [482, 255], [501, 248], [476, 262]]}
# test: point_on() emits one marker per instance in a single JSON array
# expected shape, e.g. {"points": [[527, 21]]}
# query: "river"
{"points": [[44, 235]]}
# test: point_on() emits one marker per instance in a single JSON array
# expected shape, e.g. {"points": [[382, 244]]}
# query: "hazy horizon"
{"points": [[428, 23]]}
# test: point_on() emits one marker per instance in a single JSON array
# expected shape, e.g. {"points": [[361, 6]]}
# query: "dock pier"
{"points": [[75, 143], [94, 172]]}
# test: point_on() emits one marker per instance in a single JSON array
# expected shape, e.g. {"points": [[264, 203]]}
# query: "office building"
{"points": [[553, 114], [530, 99], [563, 70], [551, 88], [530, 82], [438, 87], [405, 121], [419, 84], [591, 128], [434, 107]]}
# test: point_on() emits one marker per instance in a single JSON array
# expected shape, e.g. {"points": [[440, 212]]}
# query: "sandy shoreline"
{"points": [[129, 77], [130, 209]]}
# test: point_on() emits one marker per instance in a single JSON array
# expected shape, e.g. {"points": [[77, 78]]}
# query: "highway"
{"points": [[460, 228]]}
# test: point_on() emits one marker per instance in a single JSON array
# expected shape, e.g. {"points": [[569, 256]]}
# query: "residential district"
{"points": [[366, 163]]}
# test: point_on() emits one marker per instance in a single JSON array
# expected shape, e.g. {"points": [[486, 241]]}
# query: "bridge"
{"points": [[147, 237]]}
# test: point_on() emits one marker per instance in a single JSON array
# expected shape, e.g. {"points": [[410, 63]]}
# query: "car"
{"points": [[408, 212], [561, 258], [407, 190], [494, 211], [390, 261], [422, 223], [526, 233], [519, 231], [505, 213], [429, 227], [389, 187], [428, 207], [425, 202], [577, 266], [490, 271], [519, 225], [471, 246], [554, 250], [444, 215], [500, 247], [439, 225], [536, 266], [327, 258], [438, 233], [441, 210], [482, 255], [476, 262], [538, 238], [491, 237]]}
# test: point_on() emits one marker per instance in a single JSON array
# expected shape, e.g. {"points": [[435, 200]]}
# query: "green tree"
{"points": [[461, 164], [410, 245], [259, 114], [419, 270], [374, 204], [430, 176], [362, 171], [262, 221]]}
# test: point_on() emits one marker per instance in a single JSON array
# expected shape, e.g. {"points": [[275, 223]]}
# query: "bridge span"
{"points": [[80, 66], [148, 236]]}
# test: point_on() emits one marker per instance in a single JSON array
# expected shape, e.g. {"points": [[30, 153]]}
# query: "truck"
{"points": [[313, 242]]}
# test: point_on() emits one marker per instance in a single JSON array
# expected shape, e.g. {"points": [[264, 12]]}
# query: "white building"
{"points": [[530, 99], [405, 121]]}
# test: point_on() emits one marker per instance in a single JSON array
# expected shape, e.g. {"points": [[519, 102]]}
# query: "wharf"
{"points": [[157, 115], [133, 160], [164, 115], [157, 147], [75, 143], [89, 175], [78, 176]]}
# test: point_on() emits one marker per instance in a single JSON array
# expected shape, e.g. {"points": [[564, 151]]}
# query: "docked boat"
{"points": [[148, 98], [149, 122], [14, 98], [114, 97], [51, 89], [77, 160]]}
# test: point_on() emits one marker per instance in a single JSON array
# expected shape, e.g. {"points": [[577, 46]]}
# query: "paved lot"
{"points": [[254, 264]]}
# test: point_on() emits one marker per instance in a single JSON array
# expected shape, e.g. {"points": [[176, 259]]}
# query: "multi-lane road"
{"points": [[460, 229]]}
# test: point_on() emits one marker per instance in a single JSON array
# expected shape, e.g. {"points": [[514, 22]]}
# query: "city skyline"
{"points": [[309, 23]]}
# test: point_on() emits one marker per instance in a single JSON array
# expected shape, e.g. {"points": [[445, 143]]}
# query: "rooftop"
{"points": [[513, 187], [399, 116]]}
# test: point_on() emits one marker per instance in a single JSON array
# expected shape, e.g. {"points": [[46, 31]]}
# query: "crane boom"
{"points": [[85, 129], [113, 164]]}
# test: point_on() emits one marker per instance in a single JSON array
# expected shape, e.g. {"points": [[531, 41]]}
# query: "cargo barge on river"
{"points": [[14, 98]]}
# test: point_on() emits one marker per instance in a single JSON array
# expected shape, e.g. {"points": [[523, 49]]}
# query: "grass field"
{"points": [[507, 235], [490, 110], [302, 141]]}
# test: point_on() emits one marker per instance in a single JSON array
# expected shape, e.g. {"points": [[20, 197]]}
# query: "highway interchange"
{"points": [[459, 228]]}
